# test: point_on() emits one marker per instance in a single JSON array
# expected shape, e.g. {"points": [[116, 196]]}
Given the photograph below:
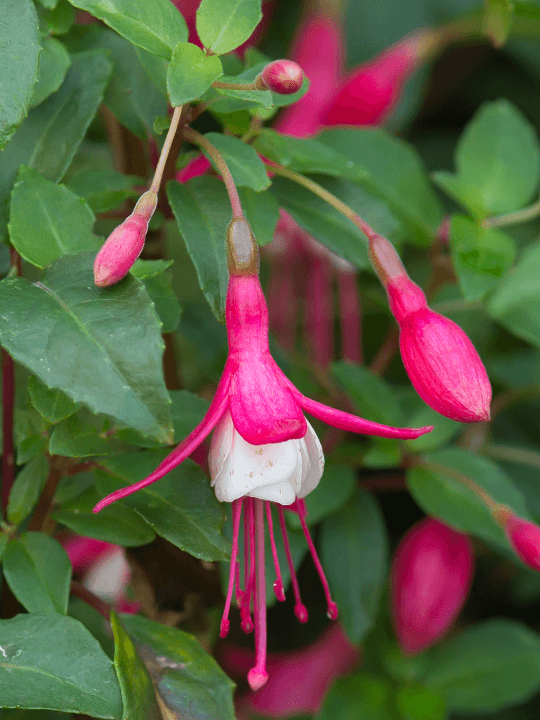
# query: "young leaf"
{"points": [[38, 571], [223, 25], [27, 488], [100, 346], [138, 696], [181, 507], [51, 404], [48, 221], [191, 73], [54, 62], [188, 681], [155, 25], [357, 535], [247, 169], [497, 162], [19, 53], [51, 661]]}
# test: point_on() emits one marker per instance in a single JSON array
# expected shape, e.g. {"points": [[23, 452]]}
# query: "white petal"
{"points": [[220, 445], [281, 493], [315, 466]]}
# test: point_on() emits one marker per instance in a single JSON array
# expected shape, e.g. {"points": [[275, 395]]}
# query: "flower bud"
{"points": [[524, 536], [282, 76], [125, 243], [430, 580], [242, 248]]}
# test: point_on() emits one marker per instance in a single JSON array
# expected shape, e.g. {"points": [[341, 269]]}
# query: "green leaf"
{"points": [[188, 681], [19, 53], [38, 571], [48, 221], [138, 695], [437, 488], [58, 20], [54, 62], [223, 25], [334, 490], [262, 213], [191, 73], [31, 436], [373, 396], [51, 661], [73, 437], [27, 488], [247, 169], [181, 507], [497, 20], [396, 174], [187, 411], [51, 404], [497, 162], [101, 347], [516, 303], [3, 545], [490, 666], [360, 696], [160, 290], [203, 211], [144, 269], [156, 68], [236, 100], [115, 524], [102, 189], [356, 535], [50, 136], [443, 431], [419, 703], [155, 25], [481, 256]]}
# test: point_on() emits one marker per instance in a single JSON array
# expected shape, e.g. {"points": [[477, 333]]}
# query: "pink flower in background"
{"points": [[523, 535], [430, 580]]}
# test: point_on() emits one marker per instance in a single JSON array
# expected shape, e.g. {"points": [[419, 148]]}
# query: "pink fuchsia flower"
{"points": [[263, 448], [125, 243], [430, 581], [523, 535]]}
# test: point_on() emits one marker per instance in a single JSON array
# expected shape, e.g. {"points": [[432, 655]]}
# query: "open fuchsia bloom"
{"points": [[263, 449], [430, 580], [523, 535]]}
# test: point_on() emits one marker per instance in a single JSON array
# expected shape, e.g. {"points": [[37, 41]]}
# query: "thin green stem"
{"points": [[464, 480], [513, 454], [238, 86], [173, 127], [513, 218]]}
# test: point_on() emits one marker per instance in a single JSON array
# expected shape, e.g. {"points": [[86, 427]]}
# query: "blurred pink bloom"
{"points": [[524, 537], [430, 579]]}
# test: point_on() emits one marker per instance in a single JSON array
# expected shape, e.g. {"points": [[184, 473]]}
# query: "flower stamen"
{"points": [[278, 584], [258, 676], [300, 609], [225, 624], [249, 566]]}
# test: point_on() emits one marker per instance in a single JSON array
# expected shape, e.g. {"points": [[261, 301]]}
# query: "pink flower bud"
{"points": [[124, 245], [430, 580], [283, 76], [524, 537]]}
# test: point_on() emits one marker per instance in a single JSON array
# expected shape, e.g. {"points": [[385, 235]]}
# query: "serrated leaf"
{"points": [[223, 25], [48, 221], [101, 347], [102, 189], [54, 62], [51, 404], [181, 507], [27, 488], [191, 73], [19, 53], [247, 169], [38, 571], [51, 661], [155, 25]]}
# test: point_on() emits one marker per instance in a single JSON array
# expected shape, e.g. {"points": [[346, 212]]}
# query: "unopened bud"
{"points": [[430, 580], [125, 243], [282, 76], [524, 536], [242, 249]]}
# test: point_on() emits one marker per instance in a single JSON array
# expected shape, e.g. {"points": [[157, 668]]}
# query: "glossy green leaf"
{"points": [[101, 347], [497, 162], [72, 486], [187, 411], [27, 488], [51, 404], [262, 213], [438, 488], [156, 68], [356, 535], [203, 211], [102, 189], [50, 136], [374, 397], [54, 62], [223, 25], [48, 221], [415, 702], [19, 54], [188, 681], [116, 524], [498, 20], [160, 291], [51, 661], [235, 100], [247, 169], [191, 73], [138, 696], [181, 507], [516, 304], [75, 437], [481, 256], [155, 25], [38, 571], [31, 436], [489, 666], [333, 491], [360, 696]]}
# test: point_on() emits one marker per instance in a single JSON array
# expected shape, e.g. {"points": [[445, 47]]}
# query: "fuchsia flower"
{"points": [[263, 448], [523, 535], [430, 580]]}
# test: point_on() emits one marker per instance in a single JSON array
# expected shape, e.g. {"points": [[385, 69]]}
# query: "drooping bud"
{"points": [[242, 249], [440, 360], [523, 535], [125, 243], [430, 580], [282, 76]]}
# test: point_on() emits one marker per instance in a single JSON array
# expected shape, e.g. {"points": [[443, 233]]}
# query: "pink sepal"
{"points": [[198, 166], [524, 536], [120, 250]]}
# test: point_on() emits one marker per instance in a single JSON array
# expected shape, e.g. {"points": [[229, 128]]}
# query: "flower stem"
{"points": [[464, 480], [198, 139], [237, 86], [173, 127], [513, 218]]}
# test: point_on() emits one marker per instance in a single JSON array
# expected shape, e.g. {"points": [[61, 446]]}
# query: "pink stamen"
{"points": [[240, 595], [258, 676], [249, 532], [237, 512], [300, 609], [278, 585], [332, 608]]}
